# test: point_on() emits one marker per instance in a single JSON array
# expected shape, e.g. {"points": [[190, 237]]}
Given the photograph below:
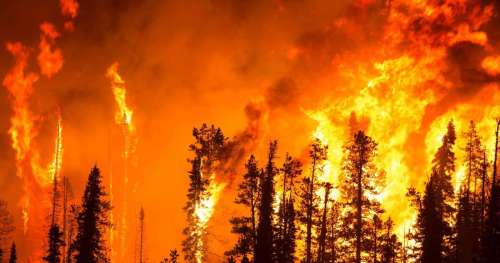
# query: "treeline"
{"points": [[90, 221], [294, 214]]}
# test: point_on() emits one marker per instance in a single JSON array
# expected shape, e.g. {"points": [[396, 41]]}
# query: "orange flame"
{"points": [[49, 60], [491, 65], [69, 8], [124, 118], [203, 213]]}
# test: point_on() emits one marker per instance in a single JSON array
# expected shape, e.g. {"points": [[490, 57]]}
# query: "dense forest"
{"points": [[292, 216]]}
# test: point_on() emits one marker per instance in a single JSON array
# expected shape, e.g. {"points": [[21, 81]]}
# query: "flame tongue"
{"points": [[203, 213], [123, 118]]}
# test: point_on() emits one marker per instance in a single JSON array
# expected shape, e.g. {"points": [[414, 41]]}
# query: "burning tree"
{"points": [[208, 150], [359, 190]]}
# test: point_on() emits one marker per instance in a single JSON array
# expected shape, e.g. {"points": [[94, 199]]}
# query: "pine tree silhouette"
{"points": [[430, 225], [246, 226], [264, 246], [469, 216], [491, 249], [13, 254], [443, 168], [360, 181], [309, 199], [55, 244], [285, 234], [323, 226], [93, 222]]}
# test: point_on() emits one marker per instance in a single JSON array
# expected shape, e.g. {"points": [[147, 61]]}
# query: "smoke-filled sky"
{"points": [[257, 69]]}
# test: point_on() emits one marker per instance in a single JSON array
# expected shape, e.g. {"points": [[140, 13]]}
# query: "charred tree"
{"points": [[93, 222]]}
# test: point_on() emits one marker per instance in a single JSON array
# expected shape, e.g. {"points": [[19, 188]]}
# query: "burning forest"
{"points": [[250, 131]]}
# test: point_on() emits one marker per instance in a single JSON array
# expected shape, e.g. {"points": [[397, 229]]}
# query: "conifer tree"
{"points": [[246, 226], [285, 236], [469, 204], [264, 246], [323, 226], [430, 226], [309, 199], [443, 168], [491, 249], [390, 245], [360, 182], [13, 254], [334, 232], [55, 244], [208, 149], [376, 237], [93, 222]]}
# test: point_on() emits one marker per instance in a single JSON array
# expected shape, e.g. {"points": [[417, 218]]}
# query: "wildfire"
{"points": [[30, 166], [123, 114], [392, 104], [123, 118], [492, 65], [203, 212], [50, 61]]}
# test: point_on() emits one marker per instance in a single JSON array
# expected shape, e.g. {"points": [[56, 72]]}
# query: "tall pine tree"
{"points": [[264, 246], [246, 226], [208, 149], [443, 169], [55, 244], [13, 254], [491, 234], [286, 229], [309, 198], [93, 222], [360, 182]]}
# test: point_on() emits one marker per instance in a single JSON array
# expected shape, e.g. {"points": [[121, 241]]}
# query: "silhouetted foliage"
{"points": [[93, 222], [264, 246], [309, 199], [360, 182], [286, 230], [443, 168], [491, 235], [55, 244], [13, 254], [246, 226]]}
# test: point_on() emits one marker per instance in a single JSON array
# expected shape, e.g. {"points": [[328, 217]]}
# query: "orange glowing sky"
{"points": [[285, 69]]}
